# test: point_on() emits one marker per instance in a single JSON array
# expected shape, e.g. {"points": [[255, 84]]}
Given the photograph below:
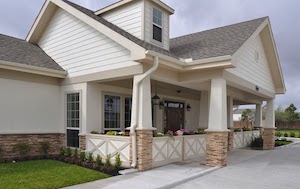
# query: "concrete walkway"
{"points": [[246, 168], [275, 169], [162, 177]]}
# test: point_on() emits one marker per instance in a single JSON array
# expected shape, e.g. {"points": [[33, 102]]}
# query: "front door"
{"points": [[174, 116]]}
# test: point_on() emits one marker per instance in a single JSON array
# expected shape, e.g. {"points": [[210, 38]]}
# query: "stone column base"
{"points": [[82, 142], [216, 148], [144, 149], [230, 139], [269, 138]]}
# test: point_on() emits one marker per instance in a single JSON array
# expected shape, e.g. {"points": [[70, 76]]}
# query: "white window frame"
{"points": [[122, 112], [162, 24], [66, 113]]}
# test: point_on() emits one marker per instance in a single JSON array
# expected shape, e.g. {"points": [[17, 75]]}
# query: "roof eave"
{"points": [[124, 2], [32, 69], [222, 62]]}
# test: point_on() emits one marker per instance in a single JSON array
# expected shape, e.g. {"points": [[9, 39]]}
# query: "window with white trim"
{"points": [[128, 105], [157, 25], [73, 119], [112, 112]]}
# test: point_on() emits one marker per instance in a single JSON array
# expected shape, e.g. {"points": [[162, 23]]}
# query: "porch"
{"points": [[165, 150], [161, 99]]}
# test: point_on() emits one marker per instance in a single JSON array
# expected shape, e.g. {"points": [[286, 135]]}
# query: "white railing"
{"points": [[194, 146], [243, 139], [105, 145], [166, 150]]}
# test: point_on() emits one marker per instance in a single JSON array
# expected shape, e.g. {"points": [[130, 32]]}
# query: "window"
{"points": [[128, 105], [112, 112], [73, 119], [157, 25]]}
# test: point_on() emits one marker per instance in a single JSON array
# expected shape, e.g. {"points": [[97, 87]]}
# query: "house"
{"points": [[117, 68]]}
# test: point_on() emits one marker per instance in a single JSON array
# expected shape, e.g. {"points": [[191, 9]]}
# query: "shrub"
{"points": [[285, 135], [98, 160], [257, 142], [68, 152], [278, 134], [23, 148], [1, 152], [75, 153], [62, 151], [95, 132], [108, 160], [118, 162], [292, 134], [82, 156], [111, 133], [237, 129], [158, 135], [90, 157], [45, 147]]}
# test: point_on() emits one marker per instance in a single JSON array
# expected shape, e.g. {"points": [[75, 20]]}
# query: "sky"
{"points": [[17, 17]]}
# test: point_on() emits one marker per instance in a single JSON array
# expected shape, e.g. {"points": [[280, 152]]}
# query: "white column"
{"points": [[230, 112], [144, 108], [258, 115], [217, 118], [270, 114], [204, 108]]}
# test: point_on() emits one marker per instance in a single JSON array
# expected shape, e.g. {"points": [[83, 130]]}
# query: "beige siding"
{"points": [[129, 18], [251, 70], [79, 48], [148, 26], [29, 107]]}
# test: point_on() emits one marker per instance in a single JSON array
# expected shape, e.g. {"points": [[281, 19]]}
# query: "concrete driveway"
{"points": [[279, 168]]}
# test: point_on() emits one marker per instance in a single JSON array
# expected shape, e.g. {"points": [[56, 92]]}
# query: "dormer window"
{"points": [[157, 25]]}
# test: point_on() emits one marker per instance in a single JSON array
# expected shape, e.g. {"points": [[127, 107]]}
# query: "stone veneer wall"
{"points": [[230, 139], [144, 149], [216, 148], [8, 143], [82, 142], [269, 138]]}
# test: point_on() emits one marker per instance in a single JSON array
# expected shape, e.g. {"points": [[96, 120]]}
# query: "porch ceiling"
{"points": [[161, 88]]}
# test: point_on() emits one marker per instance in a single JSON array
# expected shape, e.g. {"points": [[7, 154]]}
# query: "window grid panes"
{"points": [[128, 105], [157, 33], [157, 25], [73, 110], [157, 17], [112, 112]]}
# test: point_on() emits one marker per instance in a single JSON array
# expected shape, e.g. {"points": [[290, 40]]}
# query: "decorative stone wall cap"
{"points": [[146, 129], [269, 128], [217, 131], [81, 134]]}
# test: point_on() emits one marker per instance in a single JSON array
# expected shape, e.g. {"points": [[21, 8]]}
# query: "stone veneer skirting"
{"points": [[216, 148], [144, 149], [8, 143], [82, 142], [269, 138], [230, 139]]}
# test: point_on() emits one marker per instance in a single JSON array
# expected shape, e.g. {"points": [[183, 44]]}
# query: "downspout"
{"points": [[135, 102]]}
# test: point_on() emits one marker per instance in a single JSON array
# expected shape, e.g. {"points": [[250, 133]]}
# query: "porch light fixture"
{"points": [[188, 107], [161, 104], [155, 98]]}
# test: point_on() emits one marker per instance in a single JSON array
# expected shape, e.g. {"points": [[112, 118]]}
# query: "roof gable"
{"points": [[214, 43], [19, 51]]}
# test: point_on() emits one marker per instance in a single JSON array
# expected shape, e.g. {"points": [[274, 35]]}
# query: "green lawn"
{"points": [[297, 132], [44, 174], [281, 143]]}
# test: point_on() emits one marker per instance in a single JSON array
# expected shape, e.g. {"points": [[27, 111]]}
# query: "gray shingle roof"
{"points": [[216, 42], [19, 51], [207, 44]]}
